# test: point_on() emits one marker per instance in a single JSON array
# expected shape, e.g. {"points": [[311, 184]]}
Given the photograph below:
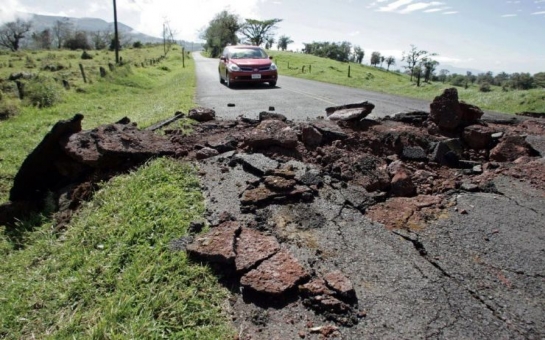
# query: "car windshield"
{"points": [[248, 53]]}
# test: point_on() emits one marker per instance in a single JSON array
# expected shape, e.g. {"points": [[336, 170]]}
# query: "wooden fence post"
{"points": [[183, 57], [82, 73], [309, 68], [348, 71]]}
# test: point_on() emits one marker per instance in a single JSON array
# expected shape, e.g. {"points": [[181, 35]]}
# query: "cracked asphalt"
{"points": [[473, 275]]}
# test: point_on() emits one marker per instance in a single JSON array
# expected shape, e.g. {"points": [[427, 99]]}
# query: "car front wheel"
{"points": [[272, 83], [222, 81], [227, 81]]}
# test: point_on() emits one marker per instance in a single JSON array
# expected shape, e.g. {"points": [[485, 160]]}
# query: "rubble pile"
{"points": [[399, 171]]}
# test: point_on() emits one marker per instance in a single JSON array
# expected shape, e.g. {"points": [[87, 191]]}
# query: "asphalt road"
{"points": [[298, 99]]}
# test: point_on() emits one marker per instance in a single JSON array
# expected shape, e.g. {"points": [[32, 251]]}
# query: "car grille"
{"points": [[252, 68]]}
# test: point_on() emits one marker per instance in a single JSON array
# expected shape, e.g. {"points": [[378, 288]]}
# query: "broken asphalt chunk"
{"points": [[217, 245], [253, 247]]}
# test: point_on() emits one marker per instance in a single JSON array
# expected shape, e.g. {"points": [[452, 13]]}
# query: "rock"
{"points": [[264, 115], [509, 149], [469, 187], [314, 287], [217, 245], [537, 143], [206, 152], [395, 167], [202, 114], [414, 153], [350, 111], [329, 130], [116, 146], [285, 172], [411, 117], [470, 113], [260, 195], [47, 168], [402, 184], [477, 137], [447, 152], [21, 75], [253, 247], [311, 136], [275, 276], [256, 163], [445, 110], [272, 133], [278, 183], [312, 177], [497, 135], [342, 285], [223, 145]]}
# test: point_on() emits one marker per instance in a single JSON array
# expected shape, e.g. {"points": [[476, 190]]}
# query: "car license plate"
{"points": [[256, 76]]}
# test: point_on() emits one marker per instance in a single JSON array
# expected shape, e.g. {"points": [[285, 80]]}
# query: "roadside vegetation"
{"points": [[496, 98], [111, 273]]}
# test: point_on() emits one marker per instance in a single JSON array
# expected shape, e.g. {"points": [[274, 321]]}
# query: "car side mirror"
{"points": [[270, 57]]}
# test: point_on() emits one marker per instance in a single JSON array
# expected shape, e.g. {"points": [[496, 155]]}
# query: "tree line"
{"points": [[229, 29], [62, 34]]}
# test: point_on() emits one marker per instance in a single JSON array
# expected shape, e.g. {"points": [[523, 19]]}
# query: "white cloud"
{"points": [[148, 16], [353, 34], [508, 15], [392, 7], [451, 12], [420, 5], [9, 9], [538, 13]]}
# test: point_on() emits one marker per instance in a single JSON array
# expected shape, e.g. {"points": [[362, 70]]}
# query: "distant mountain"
{"points": [[41, 22]]}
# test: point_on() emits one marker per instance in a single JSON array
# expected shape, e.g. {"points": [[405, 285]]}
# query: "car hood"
{"points": [[251, 62]]}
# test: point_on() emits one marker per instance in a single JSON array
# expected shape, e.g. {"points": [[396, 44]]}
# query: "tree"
{"points": [[358, 54], [221, 31], [336, 51], [269, 42], [390, 61], [539, 79], [168, 37], [414, 57], [429, 66], [443, 75], [257, 31], [522, 81], [283, 42], [78, 41], [382, 59], [13, 32], [375, 58], [61, 31], [43, 39], [101, 39]]}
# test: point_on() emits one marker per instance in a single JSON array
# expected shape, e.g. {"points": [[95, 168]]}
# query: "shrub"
{"points": [[43, 91], [137, 44], [86, 56], [9, 107], [484, 87], [30, 63]]}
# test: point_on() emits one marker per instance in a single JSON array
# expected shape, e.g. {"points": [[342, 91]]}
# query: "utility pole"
{"points": [[116, 36]]}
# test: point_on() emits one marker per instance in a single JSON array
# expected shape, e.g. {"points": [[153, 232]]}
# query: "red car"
{"points": [[246, 64]]}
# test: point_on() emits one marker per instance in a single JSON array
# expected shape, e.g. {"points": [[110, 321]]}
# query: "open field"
{"points": [[380, 80], [110, 274]]}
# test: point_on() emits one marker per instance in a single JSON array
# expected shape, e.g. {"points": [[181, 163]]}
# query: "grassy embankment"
{"points": [[380, 80], [110, 275]]}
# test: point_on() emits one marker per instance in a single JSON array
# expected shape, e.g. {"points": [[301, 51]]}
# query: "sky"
{"points": [[485, 35]]}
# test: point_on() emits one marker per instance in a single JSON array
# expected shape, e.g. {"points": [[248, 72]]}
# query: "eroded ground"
{"points": [[422, 225]]}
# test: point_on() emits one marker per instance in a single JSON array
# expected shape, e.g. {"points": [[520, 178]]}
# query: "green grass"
{"points": [[381, 80], [145, 95], [110, 275]]}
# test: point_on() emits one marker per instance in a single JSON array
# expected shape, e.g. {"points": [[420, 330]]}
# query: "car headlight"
{"points": [[234, 67], [273, 67]]}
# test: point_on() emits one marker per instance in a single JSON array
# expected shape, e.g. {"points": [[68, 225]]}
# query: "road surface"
{"points": [[298, 99]]}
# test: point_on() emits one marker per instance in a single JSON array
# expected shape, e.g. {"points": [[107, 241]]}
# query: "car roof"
{"points": [[244, 46]]}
